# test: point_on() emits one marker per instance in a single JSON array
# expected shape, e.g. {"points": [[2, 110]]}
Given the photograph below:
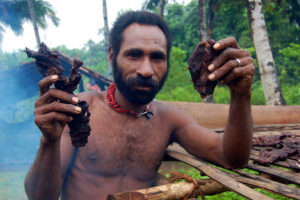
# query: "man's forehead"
{"points": [[139, 34]]}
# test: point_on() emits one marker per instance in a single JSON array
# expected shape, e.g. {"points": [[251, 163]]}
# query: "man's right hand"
{"points": [[51, 115]]}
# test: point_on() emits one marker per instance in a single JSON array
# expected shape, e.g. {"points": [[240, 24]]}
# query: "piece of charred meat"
{"points": [[48, 64], [278, 147], [201, 57], [270, 140]]}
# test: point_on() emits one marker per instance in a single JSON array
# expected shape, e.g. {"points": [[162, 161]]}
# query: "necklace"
{"points": [[110, 97]]}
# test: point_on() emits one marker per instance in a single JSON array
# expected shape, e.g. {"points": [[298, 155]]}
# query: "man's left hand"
{"points": [[233, 67]]}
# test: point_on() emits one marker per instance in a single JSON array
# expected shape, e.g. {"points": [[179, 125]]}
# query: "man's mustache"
{"points": [[139, 81]]}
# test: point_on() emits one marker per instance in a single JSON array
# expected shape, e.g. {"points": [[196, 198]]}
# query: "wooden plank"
{"points": [[276, 127], [218, 176], [292, 177], [273, 186]]}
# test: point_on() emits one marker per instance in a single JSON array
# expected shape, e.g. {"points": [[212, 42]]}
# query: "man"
{"points": [[130, 132]]}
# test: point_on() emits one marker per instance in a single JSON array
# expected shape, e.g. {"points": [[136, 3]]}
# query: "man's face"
{"points": [[140, 68]]}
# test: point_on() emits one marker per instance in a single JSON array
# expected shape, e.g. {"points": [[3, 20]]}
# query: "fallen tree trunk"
{"points": [[215, 115]]}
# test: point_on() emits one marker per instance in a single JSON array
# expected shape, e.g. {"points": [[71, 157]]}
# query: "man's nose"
{"points": [[145, 69]]}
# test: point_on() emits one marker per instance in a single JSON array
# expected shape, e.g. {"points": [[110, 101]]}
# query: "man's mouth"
{"points": [[143, 88]]}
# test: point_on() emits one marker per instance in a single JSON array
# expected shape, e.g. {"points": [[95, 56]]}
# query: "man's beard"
{"points": [[134, 96]]}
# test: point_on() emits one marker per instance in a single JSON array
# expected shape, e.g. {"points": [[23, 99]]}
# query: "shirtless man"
{"points": [[124, 151]]}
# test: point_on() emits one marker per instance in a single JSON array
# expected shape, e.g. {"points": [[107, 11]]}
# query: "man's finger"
{"points": [[46, 82], [227, 54], [246, 71], [58, 107], [51, 117], [228, 66], [55, 94], [226, 42]]}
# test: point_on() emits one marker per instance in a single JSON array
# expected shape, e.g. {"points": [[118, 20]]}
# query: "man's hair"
{"points": [[140, 17]]}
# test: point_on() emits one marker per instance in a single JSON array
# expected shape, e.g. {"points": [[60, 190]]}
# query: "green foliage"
{"points": [[10, 60], [16, 12], [288, 64], [93, 55], [184, 24], [178, 86], [291, 94]]}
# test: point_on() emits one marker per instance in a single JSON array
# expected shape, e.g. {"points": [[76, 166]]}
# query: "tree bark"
{"points": [[161, 7], [202, 20], [106, 34], [204, 36], [268, 73], [34, 22]]}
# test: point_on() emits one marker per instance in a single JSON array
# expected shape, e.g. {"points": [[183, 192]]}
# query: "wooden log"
{"points": [[291, 177], [215, 115], [170, 191], [270, 128], [218, 176], [268, 184]]}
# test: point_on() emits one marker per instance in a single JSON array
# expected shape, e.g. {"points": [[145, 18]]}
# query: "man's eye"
{"points": [[134, 54], [157, 56]]}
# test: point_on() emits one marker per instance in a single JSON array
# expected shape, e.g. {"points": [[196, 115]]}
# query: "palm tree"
{"points": [[153, 5], [268, 73], [13, 13], [106, 34], [161, 7], [34, 23]]}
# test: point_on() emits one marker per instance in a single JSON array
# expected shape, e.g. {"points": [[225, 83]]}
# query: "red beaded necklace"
{"points": [[110, 97]]}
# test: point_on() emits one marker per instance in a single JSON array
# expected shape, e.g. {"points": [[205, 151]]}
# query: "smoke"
{"points": [[19, 137]]}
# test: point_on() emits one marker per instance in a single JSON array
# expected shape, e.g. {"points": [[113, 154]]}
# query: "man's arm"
{"points": [[44, 179], [231, 149]]}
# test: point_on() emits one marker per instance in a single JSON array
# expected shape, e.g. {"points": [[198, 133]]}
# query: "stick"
{"points": [[288, 176], [219, 176], [267, 184], [170, 191]]}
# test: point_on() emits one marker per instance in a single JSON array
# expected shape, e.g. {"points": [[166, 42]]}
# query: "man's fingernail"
{"points": [[77, 109], [217, 45], [211, 76], [211, 67], [75, 99], [54, 77]]}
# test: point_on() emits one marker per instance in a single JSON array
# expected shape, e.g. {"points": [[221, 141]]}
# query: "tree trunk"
{"points": [[34, 22], [161, 7], [202, 20], [204, 36], [213, 6], [268, 73], [106, 35]]}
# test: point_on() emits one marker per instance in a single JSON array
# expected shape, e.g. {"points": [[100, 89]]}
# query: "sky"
{"points": [[80, 21]]}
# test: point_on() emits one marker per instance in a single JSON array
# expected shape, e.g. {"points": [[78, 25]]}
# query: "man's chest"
{"points": [[126, 148]]}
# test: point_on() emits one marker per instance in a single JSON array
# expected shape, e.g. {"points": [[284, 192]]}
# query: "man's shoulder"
{"points": [[92, 97], [167, 109]]}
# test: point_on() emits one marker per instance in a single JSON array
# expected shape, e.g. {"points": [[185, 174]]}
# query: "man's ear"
{"points": [[110, 54]]}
